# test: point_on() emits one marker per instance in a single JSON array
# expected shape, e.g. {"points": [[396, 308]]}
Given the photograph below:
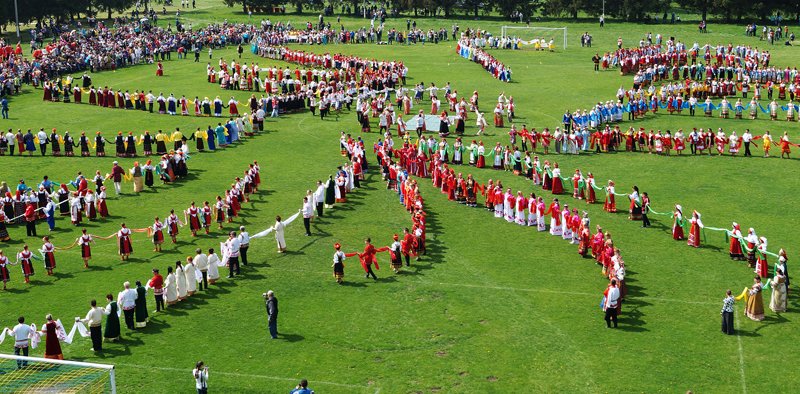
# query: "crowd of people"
{"points": [[467, 49], [400, 163], [236, 129], [91, 203]]}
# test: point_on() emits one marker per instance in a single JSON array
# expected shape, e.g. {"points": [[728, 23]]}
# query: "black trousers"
{"points": [[611, 315], [233, 265], [693, 148], [243, 253], [320, 207], [97, 338], [30, 228], [727, 323], [128, 318], [24, 351], [160, 302], [747, 149], [150, 107], [43, 148], [204, 283], [645, 220], [307, 225], [370, 272]]}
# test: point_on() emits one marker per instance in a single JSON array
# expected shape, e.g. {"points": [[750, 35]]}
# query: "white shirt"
{"points": [[308, 209], [127, 299], [94, 317], [612, 298], [201, 378], [201, 262], [233, 246], [21, 333], [319, 195], [42, 137], [244, 238]]}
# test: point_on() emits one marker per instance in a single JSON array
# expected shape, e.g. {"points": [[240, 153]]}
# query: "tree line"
{"points": [[524, 10]]}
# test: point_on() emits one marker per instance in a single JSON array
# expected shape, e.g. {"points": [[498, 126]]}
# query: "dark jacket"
{"points": [[272, 308]]}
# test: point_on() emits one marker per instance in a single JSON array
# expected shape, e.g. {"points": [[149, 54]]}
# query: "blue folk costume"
{"points": [[211, 140]]}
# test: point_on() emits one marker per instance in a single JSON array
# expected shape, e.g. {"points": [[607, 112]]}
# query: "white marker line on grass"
{"points": [[741, 357], [424, 282], [247, 375]]}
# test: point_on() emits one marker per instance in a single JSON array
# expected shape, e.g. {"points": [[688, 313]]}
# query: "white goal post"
{"points": [[508, 30], [20, 374]]}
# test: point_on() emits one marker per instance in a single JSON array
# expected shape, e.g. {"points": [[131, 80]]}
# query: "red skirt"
{"points": [[86, 251], [125, 246], [158, 237], [610, 204], [481, 162], [102, 209], [49, 260], [558, 187], [27, 268], [194, 223], [677, 232]]}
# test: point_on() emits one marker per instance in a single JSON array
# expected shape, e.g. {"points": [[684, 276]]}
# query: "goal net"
{"points": [[535, 36], [34, 375]]}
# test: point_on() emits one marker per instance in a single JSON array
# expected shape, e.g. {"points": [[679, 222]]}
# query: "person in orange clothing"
{"points": [[610, 203], [785, 145], [367, 258], [695, 225]]}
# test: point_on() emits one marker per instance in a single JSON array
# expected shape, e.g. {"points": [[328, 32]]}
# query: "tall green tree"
{"points": [[251, 3], [110, 6]]}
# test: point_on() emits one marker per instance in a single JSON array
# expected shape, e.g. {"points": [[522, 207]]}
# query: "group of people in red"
{"points": [[403, 162], [411, 243]]}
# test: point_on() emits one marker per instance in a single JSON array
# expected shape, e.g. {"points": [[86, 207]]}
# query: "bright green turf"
{"points": [[494, 306]]}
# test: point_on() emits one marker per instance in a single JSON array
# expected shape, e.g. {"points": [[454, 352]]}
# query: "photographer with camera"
{"points": [[272, 313], [302, 388]]}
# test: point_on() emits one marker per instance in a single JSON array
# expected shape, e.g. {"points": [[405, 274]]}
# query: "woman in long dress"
{"points": [[190, 271], [3, 230], [695, 225], [63, 200], [213, 267], [755, 302], [136, 172], [278, 228], [141, 305], [112, 331], [180, 279], [777, 302], [52, 341], [171, 294]]}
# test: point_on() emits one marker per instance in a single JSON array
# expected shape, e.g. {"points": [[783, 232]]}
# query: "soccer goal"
{"points": [[19, 374], [529, 35]]}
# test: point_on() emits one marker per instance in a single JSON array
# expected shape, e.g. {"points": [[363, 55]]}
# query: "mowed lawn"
{"points": [[492, 306]]}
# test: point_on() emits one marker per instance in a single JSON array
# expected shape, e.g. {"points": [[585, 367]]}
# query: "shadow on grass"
{"points": [[61, 275], [291, 337], [353, 284], [770, 320]]}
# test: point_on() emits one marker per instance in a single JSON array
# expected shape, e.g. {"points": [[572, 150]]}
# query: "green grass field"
{"points": [[493, 306]]}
